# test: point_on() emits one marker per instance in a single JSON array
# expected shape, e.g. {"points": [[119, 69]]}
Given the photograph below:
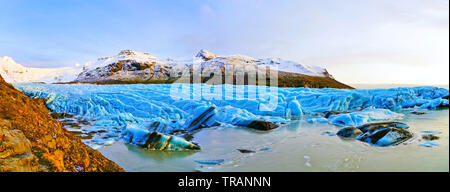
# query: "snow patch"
{"points": [[13, 72]]}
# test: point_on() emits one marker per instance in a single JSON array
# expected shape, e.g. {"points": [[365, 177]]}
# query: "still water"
{"points": [[297, 146]]}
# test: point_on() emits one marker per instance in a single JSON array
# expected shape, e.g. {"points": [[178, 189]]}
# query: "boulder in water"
{"points": [[418, 113], [246, 151], [430, 137], [262, 125]]}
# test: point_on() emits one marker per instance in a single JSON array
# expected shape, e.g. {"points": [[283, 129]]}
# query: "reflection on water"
{"points": [[158, 156], [297, 146]]}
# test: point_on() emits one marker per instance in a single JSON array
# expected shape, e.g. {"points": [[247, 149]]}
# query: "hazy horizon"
{"points": [[358, 42]]}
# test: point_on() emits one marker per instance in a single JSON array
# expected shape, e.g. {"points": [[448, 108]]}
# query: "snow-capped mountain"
{"points": [[131, 65], [137, 67], [13, 72], [244, 63], [128, 65]]}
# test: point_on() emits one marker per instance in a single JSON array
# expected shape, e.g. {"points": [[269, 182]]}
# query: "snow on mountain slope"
{"points": [[242, 61], [293, 67], [127, 65], [131, 65], [16, 73]]}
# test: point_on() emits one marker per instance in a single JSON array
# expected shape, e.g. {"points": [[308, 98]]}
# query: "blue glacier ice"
{"points": [[210, 162], [381, 134], [155, 140], [429, 144], [168, 109], [318, 120], [364, 116]]}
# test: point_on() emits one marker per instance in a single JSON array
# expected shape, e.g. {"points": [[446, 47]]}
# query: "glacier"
{"points": [[177, 109]]}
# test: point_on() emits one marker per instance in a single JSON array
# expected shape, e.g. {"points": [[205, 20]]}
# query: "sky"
{"points": [[357, 41]]}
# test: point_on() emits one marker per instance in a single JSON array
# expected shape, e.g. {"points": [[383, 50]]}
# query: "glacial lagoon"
{"points": [[304, 140], [299, 146]]}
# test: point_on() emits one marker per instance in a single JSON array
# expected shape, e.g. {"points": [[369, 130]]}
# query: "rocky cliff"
{"points": [[31, 140]]}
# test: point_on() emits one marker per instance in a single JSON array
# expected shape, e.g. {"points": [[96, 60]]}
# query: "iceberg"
{"points": [[156, 141], [365, 116], [381, 134], [172, 108]]}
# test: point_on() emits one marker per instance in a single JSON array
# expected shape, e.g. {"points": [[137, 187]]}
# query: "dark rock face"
{"points": [[349, 132], [39, 142], [57, 115], [262, 125], [381, 134], [205, 55]]}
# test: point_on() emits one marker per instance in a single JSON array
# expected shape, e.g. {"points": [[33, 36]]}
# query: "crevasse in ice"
{"points": [[186, 107]]}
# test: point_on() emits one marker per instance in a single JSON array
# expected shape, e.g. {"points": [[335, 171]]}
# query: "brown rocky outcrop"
{"points": [[31, 140]]}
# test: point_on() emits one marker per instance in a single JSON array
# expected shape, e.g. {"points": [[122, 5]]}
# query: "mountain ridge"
{"points": [[129, 67], [14, 72]]}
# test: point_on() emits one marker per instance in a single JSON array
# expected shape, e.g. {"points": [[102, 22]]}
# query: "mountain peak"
{"points": [[13, 72], [7, 59], [205, 55], [127, 52]]}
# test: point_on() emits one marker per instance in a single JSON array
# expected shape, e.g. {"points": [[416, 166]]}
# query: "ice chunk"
{"points": [[385, 136], [436, 103], [432, 132], [202, 116], [364, 116], [318, 120], [210, 162], [429, 144], [156, 141], [379, 134], [366, 127], [295, 108]]}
